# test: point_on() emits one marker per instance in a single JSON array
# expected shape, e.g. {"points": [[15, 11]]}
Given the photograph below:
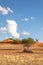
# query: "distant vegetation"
{"points": [[18, 41]]}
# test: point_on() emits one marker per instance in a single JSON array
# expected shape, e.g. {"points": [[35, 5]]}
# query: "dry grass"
{"points": [[21, 59], [9, 57]]}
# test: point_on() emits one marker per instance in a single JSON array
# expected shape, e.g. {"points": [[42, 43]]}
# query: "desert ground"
{"points": [[11, 54], [21, 59]]}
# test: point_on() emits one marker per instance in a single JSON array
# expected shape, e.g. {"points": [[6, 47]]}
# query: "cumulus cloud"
{"points": [[25, 33], [5, 11], [12, 28], [25, 19]]}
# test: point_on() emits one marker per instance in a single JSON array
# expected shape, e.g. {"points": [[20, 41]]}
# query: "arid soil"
{"points": [[9, 56], [21, 59]]}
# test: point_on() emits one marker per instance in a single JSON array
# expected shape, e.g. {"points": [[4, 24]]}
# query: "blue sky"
{"points": [[21, 19]]}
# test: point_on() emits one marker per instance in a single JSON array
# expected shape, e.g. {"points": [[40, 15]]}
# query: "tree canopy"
{"points": [[28, 41]]}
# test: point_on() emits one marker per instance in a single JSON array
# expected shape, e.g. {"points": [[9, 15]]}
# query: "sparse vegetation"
{"points": [[18, 41], [17, 54]]}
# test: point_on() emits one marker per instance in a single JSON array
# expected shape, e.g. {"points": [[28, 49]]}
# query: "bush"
{"points": [[28, 41]]}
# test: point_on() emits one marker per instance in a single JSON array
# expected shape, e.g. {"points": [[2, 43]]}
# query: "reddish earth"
{"points": [[37, 47], [37, 44], [9, 57], [11, 41], [7, 41]]}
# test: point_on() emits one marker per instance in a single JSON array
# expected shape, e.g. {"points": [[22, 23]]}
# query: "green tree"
{"points": [[24, 41], [28, 41]]}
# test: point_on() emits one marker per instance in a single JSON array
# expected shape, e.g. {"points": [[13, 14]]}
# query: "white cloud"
{"points": [[5, 11], [3, 29], [12, 28], [25, 19], [32, 18], [25, 33], [10, 10]]}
